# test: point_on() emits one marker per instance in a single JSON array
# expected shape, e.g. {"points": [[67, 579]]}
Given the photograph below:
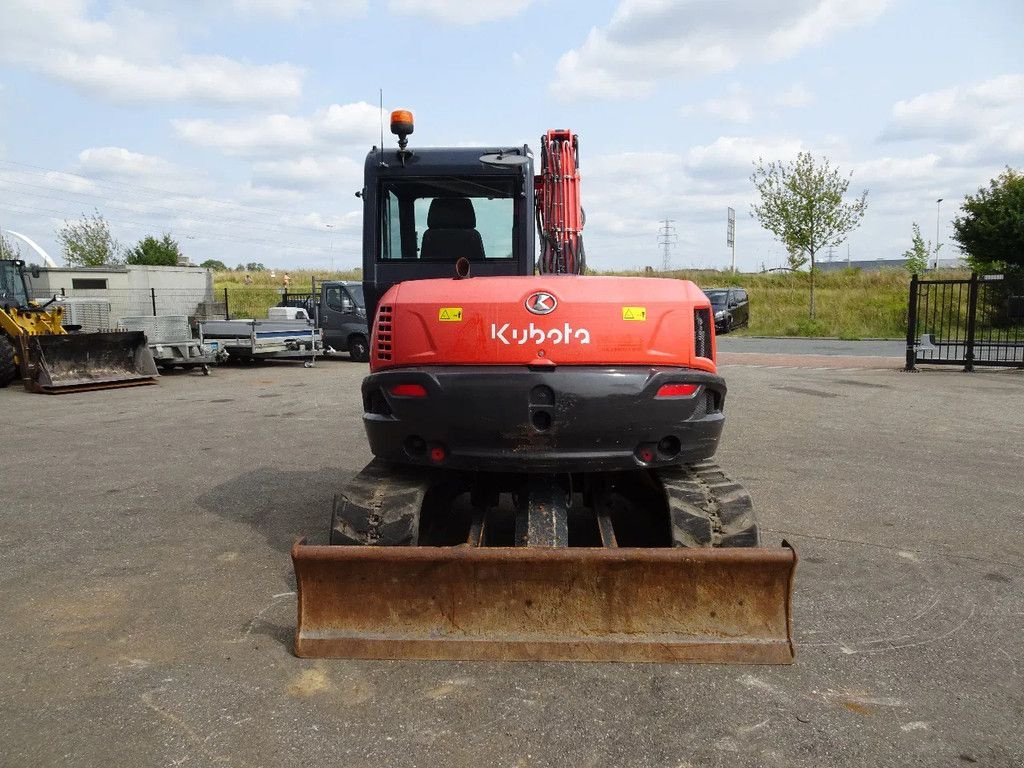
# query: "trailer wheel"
{"points": [[358, 349], [8, 368]]}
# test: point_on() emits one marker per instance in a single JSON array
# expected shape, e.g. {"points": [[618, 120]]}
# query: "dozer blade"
{"points": [[545, 604], [83, 361]]}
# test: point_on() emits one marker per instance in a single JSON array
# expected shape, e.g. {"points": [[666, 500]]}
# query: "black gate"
{"points": [[972, 322]]}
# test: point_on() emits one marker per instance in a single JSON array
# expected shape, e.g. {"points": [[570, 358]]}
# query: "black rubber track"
{"points": [[383, 505], [707, 508], [380, 506]]}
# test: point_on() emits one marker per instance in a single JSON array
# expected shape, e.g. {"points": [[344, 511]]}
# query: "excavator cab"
{"points": [[35, 345], [424, 211], [542, 487], [13, 286]]}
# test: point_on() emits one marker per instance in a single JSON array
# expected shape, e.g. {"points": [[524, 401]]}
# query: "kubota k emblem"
{"points": [[541, 303]]}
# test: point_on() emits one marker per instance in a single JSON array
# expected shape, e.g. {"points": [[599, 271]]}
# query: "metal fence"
{"points": [[972, 322], [103, 305]]}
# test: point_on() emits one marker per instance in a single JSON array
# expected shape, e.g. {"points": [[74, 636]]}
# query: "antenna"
{"points": [[666, 239], [380, 149]]}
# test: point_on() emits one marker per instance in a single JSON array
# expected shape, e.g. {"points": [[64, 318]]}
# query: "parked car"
{"points": [[731, 307]]}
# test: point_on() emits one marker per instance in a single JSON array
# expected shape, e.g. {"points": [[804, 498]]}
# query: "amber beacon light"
{"points": [[401, 126]]}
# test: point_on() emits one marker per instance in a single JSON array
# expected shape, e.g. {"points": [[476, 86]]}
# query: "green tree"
{"points": [[88, 242], [214, 264], [796, 259], [8, 249], [164, 252], [918, 253], [802, 205], [254, 266], [991, 230]]}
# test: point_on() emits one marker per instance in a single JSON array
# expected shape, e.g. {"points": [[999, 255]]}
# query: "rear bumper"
{"points": [[569, 419]]}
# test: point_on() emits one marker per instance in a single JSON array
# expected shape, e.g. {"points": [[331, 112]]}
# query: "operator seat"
{"points": [[451, 231]]}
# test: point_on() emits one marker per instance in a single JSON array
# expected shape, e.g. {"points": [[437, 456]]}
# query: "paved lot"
{"points": [[147, 601], [797, 346]]}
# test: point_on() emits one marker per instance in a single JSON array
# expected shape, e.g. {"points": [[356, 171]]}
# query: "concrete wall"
{"points": [[130, 289]]}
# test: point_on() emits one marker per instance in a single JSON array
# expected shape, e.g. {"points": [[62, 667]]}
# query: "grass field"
{"points": [[850, 304], [253, 300], [300, 279]]}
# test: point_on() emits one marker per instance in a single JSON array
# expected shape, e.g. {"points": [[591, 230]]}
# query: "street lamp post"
{"points": [[330, 245], [938, 209]]}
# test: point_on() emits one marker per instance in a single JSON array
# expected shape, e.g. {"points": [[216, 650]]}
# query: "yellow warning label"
{"points": [[450, 314], [634, 313]]}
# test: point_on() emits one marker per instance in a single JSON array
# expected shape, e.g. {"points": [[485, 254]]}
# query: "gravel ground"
{"points": [[148, 602]]}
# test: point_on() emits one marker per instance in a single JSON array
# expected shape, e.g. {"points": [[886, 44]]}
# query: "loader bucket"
{"points": [[83, 361], [545, 604]]}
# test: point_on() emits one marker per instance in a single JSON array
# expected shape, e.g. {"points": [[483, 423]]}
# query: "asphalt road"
{"points": [[148, 603], [797, 346]]}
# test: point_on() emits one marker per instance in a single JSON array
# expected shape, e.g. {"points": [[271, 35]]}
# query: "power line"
{"points": [[40, 170], [128, 223], [90, 199]]}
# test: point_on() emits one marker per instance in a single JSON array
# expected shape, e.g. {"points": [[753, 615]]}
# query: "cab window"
{"points": [[338, 300], [443, 219]]}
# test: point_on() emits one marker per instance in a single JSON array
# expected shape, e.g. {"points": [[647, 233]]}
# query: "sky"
{"points": [[241, 126]]}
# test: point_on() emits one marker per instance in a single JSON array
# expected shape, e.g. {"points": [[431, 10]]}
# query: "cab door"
{"points": [[339, 319]]}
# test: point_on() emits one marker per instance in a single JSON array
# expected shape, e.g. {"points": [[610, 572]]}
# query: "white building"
{"points": [[132, 289]]}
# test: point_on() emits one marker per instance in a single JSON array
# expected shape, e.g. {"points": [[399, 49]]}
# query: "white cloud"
{"points": [[816, 21], [130, 190], [129, 56], [210, 79], [460, 11], [308, 173], [118, 161], [735, 106], [286, 9], [733, 156], [626, 194], [336, 125], [650, 40], [959, 113], [125, 167], [969, 131], [739, 105], [251, 136], [795, 96], [62, 182]]}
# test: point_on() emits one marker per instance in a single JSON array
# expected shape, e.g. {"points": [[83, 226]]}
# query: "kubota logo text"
{"points": [[564, 335]]}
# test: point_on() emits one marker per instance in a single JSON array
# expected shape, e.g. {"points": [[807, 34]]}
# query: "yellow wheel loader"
{"points": [[36, 347]]}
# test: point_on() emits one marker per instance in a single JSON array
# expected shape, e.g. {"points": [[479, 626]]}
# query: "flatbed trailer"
{"points": [[170, 340], [264, 339]]}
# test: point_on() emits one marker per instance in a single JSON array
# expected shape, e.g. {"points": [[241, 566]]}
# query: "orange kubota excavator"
{"points": [[542, 486]]}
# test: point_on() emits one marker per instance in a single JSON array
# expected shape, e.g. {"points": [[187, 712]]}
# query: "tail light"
{"points": [[702, 333], [677, 390], [409, 390]]}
